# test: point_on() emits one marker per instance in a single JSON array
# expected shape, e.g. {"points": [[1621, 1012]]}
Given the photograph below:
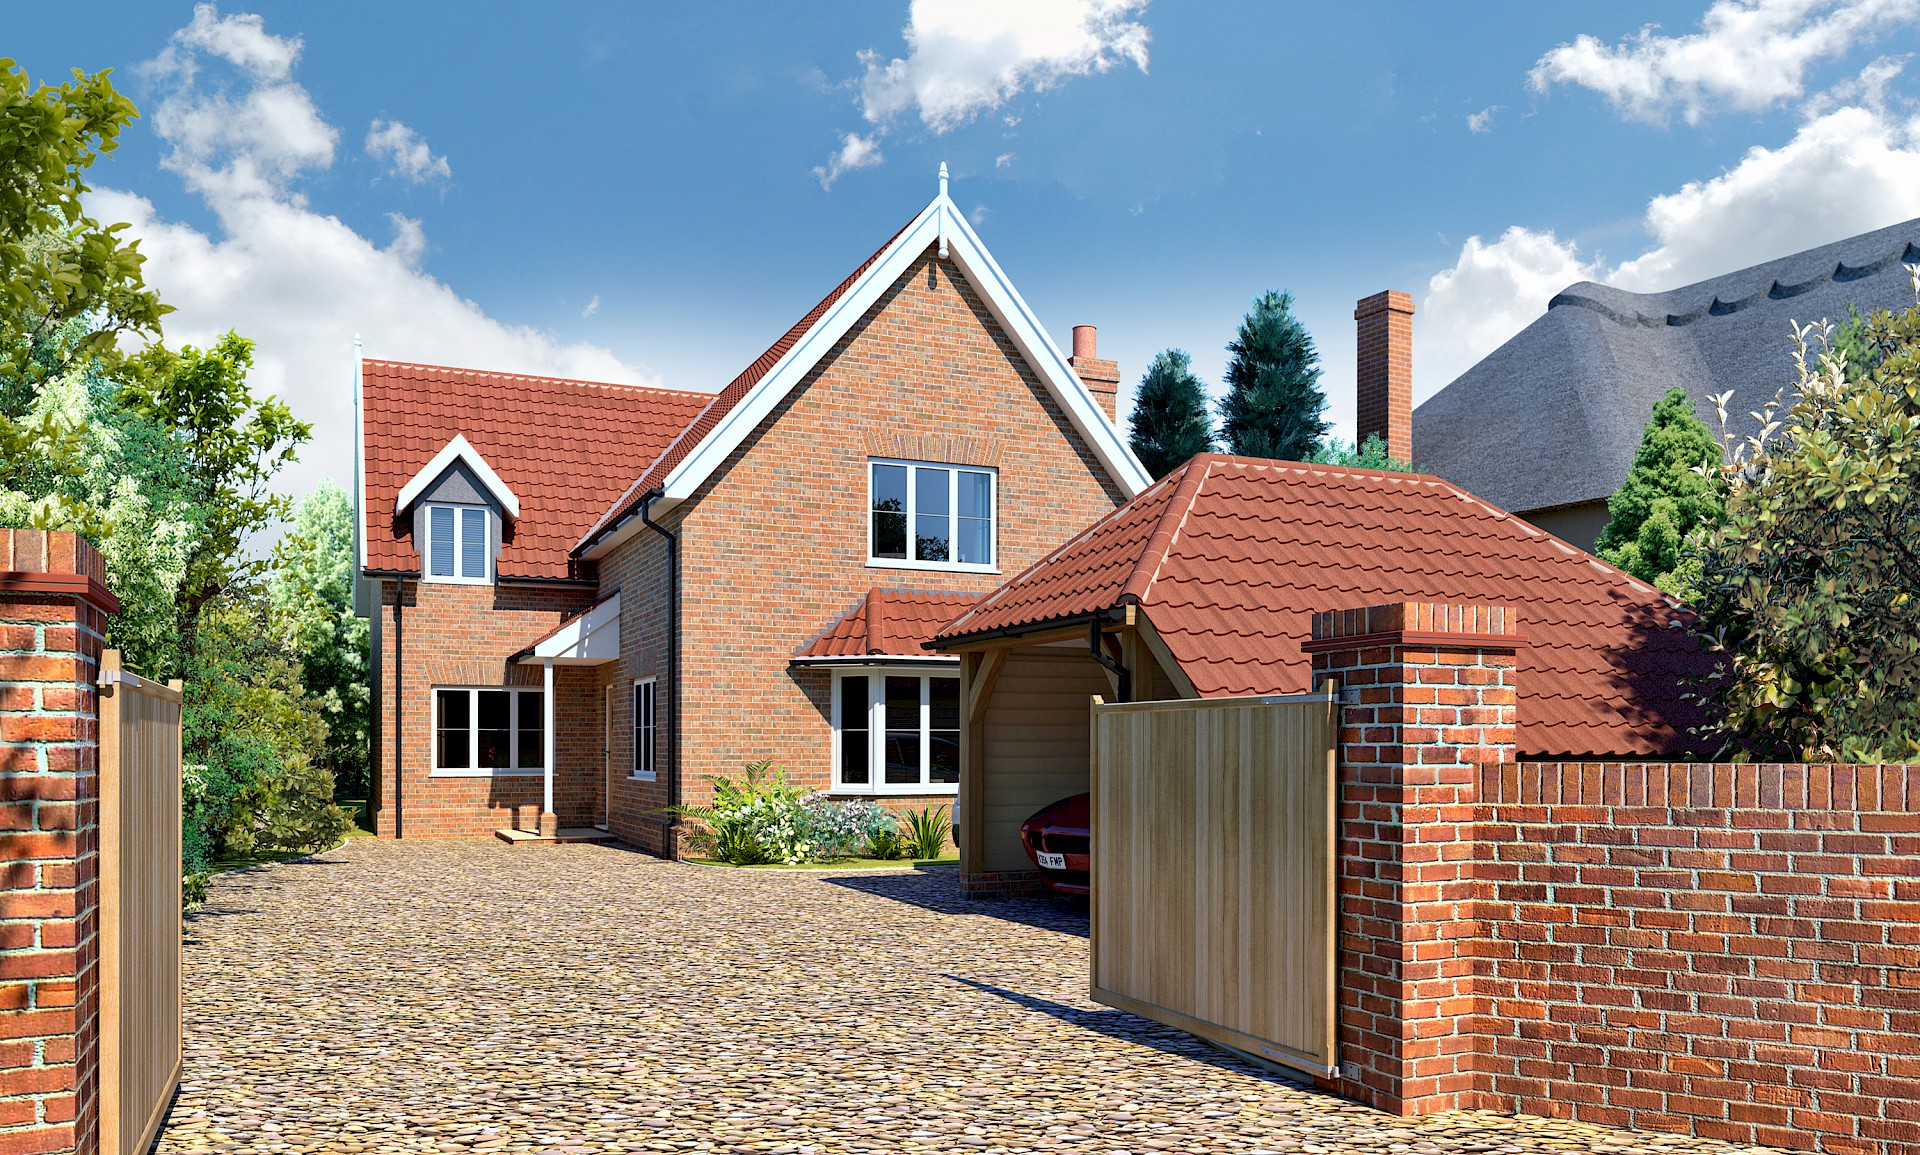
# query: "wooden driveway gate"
{"points": [[139, 905], [1213, 870]]}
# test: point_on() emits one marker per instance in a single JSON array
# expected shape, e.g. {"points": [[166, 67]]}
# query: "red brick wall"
{"points": [[1384, 371], [1433, 690], [449, 634], [1731, 950], [50, 646], [774, 547]]}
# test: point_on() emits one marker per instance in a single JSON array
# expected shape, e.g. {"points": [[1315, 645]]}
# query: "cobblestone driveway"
{"points": [[468, 996]]}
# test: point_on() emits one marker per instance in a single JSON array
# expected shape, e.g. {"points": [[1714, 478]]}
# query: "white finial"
{"points": [[943, 178]]}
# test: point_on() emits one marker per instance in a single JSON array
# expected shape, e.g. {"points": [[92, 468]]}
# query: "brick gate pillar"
{"points": [[1433, 698], [53, 617]]}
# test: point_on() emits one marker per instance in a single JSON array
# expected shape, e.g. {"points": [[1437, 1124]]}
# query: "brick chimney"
{"points": [[1102, 378], [1384, 380]]}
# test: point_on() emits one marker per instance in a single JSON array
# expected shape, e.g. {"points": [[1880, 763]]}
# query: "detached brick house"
{"points": [[587, 597]]}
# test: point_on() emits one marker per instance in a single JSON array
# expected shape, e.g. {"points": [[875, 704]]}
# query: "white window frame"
{"points": [[519, 695], [646, 732], [953, 516], [461, 513], [876, 783]]}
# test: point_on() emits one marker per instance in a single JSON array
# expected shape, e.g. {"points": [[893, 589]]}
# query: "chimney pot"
{"points": [[1383, 401], [1102, 378]]}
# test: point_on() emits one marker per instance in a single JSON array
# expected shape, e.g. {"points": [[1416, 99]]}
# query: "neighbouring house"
{"points": [[586, 598], [1205, 584], [1547, 424]]}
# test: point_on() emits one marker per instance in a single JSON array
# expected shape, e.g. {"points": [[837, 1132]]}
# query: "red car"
{"points": [[1059, 839]]}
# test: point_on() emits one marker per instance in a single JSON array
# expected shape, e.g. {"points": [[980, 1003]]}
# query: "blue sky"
{"points": [[635, 192]]}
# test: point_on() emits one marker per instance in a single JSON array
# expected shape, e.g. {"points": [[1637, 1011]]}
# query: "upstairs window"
{"points": [[457, 543], [930, 516]]}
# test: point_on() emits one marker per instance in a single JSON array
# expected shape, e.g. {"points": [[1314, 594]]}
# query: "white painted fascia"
{"points": [[941, 219], [457, 450], [589, 639]]}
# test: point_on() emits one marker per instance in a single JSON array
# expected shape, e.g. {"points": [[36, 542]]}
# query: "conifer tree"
{"points": [[1273, 405], [1170, 422], [1666, 499]]}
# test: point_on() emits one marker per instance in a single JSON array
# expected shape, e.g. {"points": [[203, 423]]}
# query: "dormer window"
{"points": [[457, 543], [926, 516]]}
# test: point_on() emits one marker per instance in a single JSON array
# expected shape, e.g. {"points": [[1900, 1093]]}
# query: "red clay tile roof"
{"points": [[723, 402], [888, 622], [565, 448], [1228, 557]]}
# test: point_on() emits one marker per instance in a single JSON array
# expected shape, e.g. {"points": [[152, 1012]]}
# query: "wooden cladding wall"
{"points": [[140, 1053], [1213, 870]]}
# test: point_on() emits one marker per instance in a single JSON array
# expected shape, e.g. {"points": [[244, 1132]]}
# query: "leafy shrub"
{"points": [[753, 820], [839, 829], [927, 831], [886, 845]]}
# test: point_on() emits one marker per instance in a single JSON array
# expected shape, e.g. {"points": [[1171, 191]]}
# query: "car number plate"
{"points": [[1051, 861]]}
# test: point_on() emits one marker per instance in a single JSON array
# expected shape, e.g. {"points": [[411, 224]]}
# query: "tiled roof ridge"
{"points": [[541, 378], [872, 607], [1167, 527], [1622, 308], [756, 370]]}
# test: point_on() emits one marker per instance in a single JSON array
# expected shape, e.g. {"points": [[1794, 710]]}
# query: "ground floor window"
{"points": [[645, 728], [896, 732], [483, 730]]}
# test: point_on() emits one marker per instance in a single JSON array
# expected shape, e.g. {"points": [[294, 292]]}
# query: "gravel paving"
{"points": [[467, 996]]}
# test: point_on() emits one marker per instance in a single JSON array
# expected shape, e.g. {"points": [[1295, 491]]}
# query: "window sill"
{"points": [[456, 581], [933, 566], [939, 790], [655, 777], [486, 773]]}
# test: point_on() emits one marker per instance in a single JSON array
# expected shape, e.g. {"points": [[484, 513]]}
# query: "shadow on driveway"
{"points": [[939, 890]]}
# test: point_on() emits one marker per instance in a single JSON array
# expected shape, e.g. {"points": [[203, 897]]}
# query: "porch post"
{"points": [[549, 821]]}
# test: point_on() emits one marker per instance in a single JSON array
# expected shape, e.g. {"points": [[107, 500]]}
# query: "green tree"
{"points": [[1812, 584], [1370, 454], [1273, 404], [1673, 491], [1170, 422], [56, 262], [312, 591], [232, 444]]}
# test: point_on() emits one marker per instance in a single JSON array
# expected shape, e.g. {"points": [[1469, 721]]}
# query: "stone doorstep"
{"points": [[563, 834]]}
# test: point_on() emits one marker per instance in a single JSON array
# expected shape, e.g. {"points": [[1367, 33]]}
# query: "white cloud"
{"points": [[593, 306], [405, 152], [1845, 171], [1005, 159], [300, 283], [1749, 55], [1482, 121], [855, 151], [968, 57]]}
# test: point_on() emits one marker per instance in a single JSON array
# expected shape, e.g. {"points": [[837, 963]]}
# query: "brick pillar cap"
{"points": [[1432, 623]]}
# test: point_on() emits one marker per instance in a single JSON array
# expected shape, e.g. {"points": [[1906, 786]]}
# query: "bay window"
{"points": [[896, 732], [930, 516], [482, 731]]}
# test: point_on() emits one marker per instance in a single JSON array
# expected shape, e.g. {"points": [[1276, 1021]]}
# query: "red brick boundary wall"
{"points": [[1731, 951], [53, 610]]}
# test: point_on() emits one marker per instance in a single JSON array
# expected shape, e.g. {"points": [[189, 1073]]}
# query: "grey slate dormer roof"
{"points": [[1553, 416]]}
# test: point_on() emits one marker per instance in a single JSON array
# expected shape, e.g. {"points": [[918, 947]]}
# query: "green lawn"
{"points": [[846, 863]]}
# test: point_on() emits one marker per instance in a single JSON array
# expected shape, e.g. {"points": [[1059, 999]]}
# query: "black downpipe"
{"points": [[1107, 660], [667, 846], [399, 706]]}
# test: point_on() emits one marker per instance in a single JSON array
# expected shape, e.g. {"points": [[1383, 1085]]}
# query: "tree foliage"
{"points": [[1170, 422], [232, 444], [1370, 454], [1673, 491], [312, 592], [56, 262], [1273, 404], [1812, 584]]}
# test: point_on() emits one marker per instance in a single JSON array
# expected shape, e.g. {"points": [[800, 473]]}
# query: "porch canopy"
{"points": [[588, 638]]}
